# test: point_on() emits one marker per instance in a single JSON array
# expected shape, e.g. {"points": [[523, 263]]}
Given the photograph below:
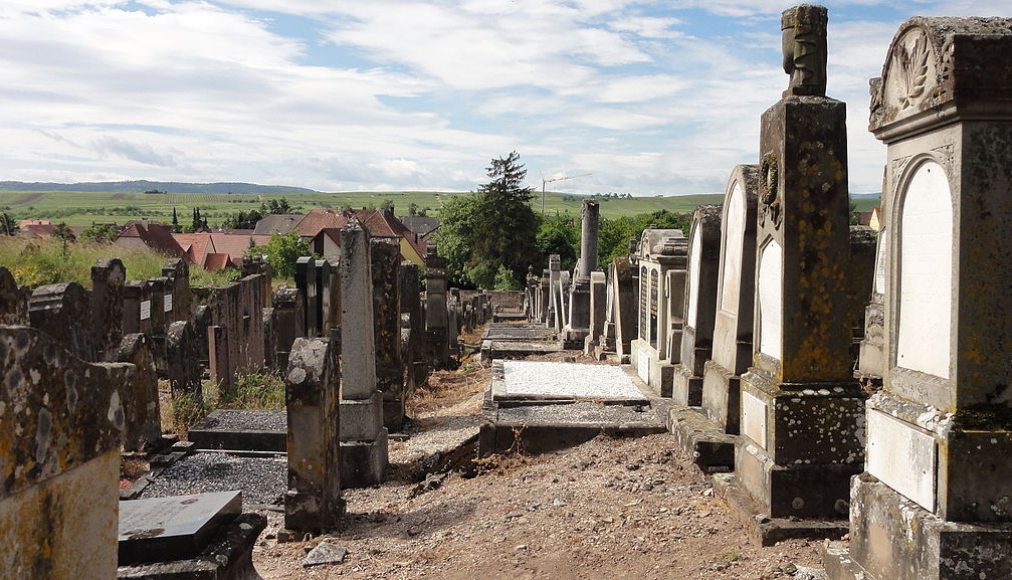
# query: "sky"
{"points": [[648, 98]]}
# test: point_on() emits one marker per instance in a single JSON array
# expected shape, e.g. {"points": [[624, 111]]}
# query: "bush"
{"points": [[283, 250], [504, 279]]}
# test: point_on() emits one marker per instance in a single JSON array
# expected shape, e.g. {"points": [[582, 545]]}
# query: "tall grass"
{"points": [[35, 263]]}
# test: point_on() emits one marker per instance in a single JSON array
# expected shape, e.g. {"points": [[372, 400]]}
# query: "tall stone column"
{"points": [[363, 436], [386, 263], [437, 318], [802, 409], [107, 280], [934, 500], [590, 212]]}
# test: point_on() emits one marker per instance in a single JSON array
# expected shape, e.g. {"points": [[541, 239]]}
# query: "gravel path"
{"points": [[262, 480]]}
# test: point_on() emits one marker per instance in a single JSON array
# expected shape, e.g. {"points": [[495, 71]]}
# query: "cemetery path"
{"points": [[611, 508]]}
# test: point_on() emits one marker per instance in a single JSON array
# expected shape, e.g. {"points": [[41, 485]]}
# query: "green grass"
{"points": [[35, 263], [82, 209]]}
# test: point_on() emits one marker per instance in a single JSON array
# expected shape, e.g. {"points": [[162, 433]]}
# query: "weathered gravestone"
{"points": [[305, 281], [363, 436], [178, 301], [143, 423], [288, 321], [700, 305], [107, 280], [313, 502], [183, 352], [554, 311], [860, 276], [871, 352], [934, 499], [624, 280], [413, 325], [802, 411], [59, 459], [733, 317], [598, 309], [386, 263], [437, 319], [13, 301], [579, 299], [63, 311]]}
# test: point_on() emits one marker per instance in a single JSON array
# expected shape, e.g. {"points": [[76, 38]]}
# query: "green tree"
{"points": [[559, 234], [387, 205], [412, 208], [175, 222], [63, 233], [459, 228], [8, 226], [283, 250], [101, 233], [504, 279]]}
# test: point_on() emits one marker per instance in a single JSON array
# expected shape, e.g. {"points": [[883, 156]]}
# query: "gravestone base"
{"points": [[229, 556], [393, 412], [764, 530], [801, 443], [361, 419], [711, 449], [686, 388], [655, 372], [363, 463], [722, 397], [894, 538]]}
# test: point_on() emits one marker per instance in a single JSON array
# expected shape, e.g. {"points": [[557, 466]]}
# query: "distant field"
{"points": [[85, 208]]}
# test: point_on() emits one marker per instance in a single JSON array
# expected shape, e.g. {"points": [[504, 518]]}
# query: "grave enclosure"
{"points": [[830, 380]]}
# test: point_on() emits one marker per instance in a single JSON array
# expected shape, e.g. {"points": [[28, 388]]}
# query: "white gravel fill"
{"points": [[557, 379]]}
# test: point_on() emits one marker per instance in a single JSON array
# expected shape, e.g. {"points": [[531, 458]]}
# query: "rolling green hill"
{"points": [[82, 208]]}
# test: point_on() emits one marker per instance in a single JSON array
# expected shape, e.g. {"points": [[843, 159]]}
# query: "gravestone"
{"points": [[107, 280], [288, 321], [142, 414], [182, 353], [313, 502], [61, 465], [802, 428], [413, 321], [386, 262], [63, 311], [933, 502], [625, 286], [174, 528], [699, 306], [178, 301], [598, 306], [579, 298], [663, 256], [871, 352], [220, 363], [13, 301], [305, 281], [136, 307], [437, 319], [733, 317], [860, 277], [554, 282], [324, 282], [363, 436]]}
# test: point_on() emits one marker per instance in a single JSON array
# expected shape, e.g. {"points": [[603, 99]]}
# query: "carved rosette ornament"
{"points": [[769, 191], [803, 31]]}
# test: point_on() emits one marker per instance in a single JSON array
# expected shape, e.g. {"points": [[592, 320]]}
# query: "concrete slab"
{"points": [[516, 349], [519, 332], [569, 381], [173, 527], [244, 430], [711, 449]]}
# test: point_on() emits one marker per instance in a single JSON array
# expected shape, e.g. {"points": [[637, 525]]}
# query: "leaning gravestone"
{"points": [[934, 501], [802, 410], [60, 466]]}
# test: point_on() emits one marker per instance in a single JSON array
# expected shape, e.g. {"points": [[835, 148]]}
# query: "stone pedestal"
{"points": [[363, 436], [699, 306], [578, 326], [386, 263], [933, 502]]}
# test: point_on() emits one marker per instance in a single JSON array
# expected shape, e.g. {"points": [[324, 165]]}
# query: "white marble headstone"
{"points": [[771, 299], [734, 238], [695, 255]]}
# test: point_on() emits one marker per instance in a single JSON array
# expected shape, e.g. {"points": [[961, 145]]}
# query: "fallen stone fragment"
{"points": [[325, 553]]}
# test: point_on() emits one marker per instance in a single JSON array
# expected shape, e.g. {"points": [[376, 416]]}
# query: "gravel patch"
{"points": [[585, 413], [554, 379], [262, 480], [243, 420]]}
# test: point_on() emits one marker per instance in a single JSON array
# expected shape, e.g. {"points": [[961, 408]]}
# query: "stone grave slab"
{"points": [[242, 430], [175, 527], [517, 349], [515, 332], [567, 381]]}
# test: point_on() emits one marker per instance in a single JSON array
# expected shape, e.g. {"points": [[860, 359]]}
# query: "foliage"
{"points": [[8, 226], [247, 220], [186, 412], [283, 250], [387, 205], [199, 222], [255, 391], [559, 234], [62, 232], [492, 228], [35, 263], [504, 279], [100, 233]]}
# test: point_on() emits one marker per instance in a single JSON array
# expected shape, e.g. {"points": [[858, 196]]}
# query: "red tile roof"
{"points": [[200, 246], [156, 236]]}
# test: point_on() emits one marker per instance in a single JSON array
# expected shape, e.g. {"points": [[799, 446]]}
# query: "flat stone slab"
{"points": [[237, 429], [522, 333], [173, 528], [550, 427], [508, 316], [557, 380], [511, 349], [711, 449], [262, 480]]}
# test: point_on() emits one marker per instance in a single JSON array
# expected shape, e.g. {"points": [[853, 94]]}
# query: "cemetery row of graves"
{"points": [[834, 382]]}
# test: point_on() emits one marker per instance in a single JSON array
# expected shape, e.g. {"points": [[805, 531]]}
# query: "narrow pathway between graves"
{"points": [[611, 508]]}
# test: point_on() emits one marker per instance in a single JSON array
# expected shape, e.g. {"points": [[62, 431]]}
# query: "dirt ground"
{"points": [[611, 508]]}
